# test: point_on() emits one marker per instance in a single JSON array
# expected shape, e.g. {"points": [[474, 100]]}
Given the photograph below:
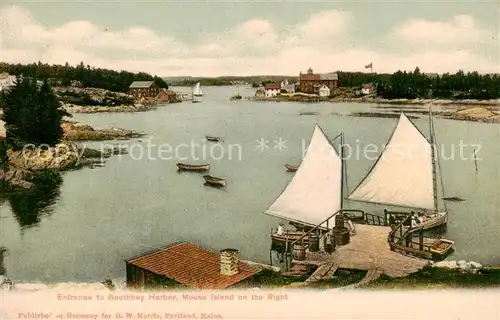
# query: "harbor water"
{"points": [[83, 226]]}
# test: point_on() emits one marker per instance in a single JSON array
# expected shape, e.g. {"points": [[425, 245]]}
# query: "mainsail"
{"points": [[403, 173], [314, 193], [197, 90]]}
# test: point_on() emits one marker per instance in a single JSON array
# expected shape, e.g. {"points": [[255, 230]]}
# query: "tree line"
{"points": [[415, 84], [32, 114], [81, 75]]}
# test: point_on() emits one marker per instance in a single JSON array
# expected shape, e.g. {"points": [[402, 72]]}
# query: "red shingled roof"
{"points": [[271, 86], [191, 265], [309, 77]]}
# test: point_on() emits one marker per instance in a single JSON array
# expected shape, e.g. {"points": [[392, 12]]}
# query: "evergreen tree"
{"points": [[32, 114], [49, 116]]}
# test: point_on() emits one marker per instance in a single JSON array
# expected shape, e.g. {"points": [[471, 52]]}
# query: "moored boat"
{"points": [[213, 139], [441, 248], [214, 181], [291, 167], [405, 175], [313, 196], [193, 167]]}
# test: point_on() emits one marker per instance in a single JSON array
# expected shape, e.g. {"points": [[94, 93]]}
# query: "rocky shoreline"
{"points": [[377, 100], [96, 100], [24, 165], [487, 111]]}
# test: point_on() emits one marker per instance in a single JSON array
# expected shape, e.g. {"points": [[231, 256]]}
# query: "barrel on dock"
{"points": [[339, 220], [328, 243], [299, 252], [341, 235], [313, 243]]}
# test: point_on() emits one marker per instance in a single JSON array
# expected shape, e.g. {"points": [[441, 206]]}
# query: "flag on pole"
{"points": [[369, 66]]}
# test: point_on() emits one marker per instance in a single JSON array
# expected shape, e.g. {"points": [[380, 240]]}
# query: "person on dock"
{"points": [[281, 230]]}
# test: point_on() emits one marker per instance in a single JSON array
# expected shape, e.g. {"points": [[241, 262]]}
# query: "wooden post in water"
{"points": [[475, 159]]}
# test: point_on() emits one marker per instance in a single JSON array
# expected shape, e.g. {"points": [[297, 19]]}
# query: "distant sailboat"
{"points": [[315, 192], [404, 175], [237, 96], [197, 93]]}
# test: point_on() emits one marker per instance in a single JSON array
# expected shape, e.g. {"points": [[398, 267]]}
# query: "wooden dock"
{"points": [[369, 249]]}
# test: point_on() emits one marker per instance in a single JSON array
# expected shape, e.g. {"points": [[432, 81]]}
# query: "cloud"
{"points": [[324, 41], [460, 31]]}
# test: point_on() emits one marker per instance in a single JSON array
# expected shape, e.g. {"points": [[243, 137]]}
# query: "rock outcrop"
{"points": [[481, 114], [75, 131], [60, 157], [466, 266], [17, 178], [6, 283], [94, 100]]}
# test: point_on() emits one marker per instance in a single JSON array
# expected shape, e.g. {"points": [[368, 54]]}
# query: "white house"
{"points": [[368, 88], [324, 91], [6, 81], [272, 89]]}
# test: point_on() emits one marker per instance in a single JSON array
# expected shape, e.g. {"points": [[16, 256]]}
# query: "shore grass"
{"points": [[439, 278]]}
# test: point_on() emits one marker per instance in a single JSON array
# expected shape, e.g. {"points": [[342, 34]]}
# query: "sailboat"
{"points": [[197, 93], [315, 193], [404, 175], [237, 96]]}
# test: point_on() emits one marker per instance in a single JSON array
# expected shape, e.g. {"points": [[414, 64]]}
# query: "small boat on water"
{"points": [[193, 167], [214, 181], [213, 139], [291, 167], [197, 93], [441, 248]]}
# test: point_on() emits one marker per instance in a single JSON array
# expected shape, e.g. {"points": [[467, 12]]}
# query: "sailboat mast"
{"points": [[342, 171], [433, 156]]}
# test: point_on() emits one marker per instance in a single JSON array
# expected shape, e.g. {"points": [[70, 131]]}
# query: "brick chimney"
{"points": [[229, 262]]}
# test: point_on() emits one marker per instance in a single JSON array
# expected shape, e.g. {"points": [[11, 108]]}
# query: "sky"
{"points": [[218, 38]]}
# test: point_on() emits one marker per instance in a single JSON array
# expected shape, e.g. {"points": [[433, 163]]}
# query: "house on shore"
{"points": [[272, 89], [186, 265], [324, 91], [260, 93], [167, 96], [144, 89], [311, 82], [368, 88], [7, 81]]}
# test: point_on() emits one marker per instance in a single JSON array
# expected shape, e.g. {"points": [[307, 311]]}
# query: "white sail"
{"points": [[402, 175], [314, 193], [197, 90]]}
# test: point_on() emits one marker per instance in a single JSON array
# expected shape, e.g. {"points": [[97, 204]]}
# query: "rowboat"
{"points": [[213, 139], [291, 167], [193, 167], [441, 248], [214, 181]]}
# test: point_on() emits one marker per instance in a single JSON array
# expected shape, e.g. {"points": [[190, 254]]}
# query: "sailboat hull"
{"points": [[439, 220]]}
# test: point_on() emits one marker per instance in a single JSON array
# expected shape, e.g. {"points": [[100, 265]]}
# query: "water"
{"points": [[83, 226]]}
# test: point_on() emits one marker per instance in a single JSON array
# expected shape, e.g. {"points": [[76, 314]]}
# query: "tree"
{"points": [[32, 114], [49, 116]]}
